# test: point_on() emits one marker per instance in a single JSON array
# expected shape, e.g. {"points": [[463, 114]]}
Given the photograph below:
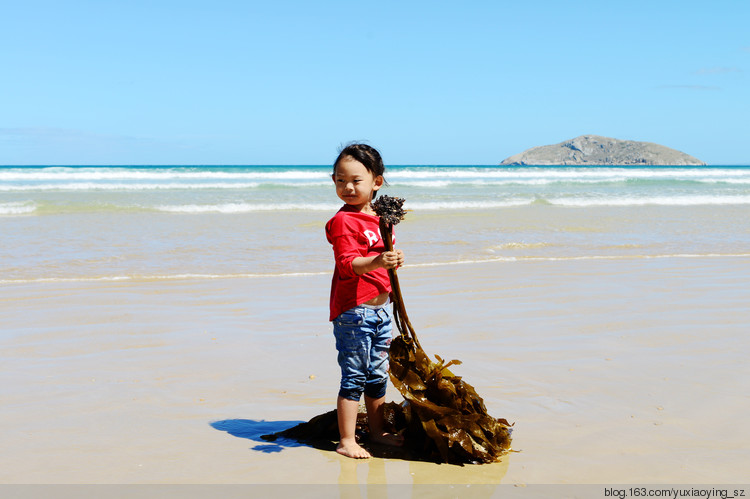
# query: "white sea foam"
{"points": [[395, 173], [657, 201], [466, 205], [233, 184], [246, 207], [99, 174], [567, 173], [18, 208], [497, 182], [228, 184], [95, 186]]}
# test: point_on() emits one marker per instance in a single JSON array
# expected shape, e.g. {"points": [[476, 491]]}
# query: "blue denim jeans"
{"points": [[363, 336]]}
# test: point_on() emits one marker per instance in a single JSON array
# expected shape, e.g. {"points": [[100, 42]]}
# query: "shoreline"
{"points": [[410, 266]]}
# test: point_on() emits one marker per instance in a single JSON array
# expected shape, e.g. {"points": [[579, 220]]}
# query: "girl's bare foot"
{"points": [[386, 438], [350, 448]]}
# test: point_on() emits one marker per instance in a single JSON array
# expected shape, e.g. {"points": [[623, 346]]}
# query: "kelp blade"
{"points": [[452, 415]]}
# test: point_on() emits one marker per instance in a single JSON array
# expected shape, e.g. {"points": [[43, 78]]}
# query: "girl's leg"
{"points": [[377, 378], [352, 343], [376, 420], [347, 418]]}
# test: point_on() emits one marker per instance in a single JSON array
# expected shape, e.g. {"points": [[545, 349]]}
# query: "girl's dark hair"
{"points": [[367, 155]]}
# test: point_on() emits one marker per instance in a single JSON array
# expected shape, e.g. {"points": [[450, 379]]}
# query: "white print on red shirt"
{"points": [[372, 237]]}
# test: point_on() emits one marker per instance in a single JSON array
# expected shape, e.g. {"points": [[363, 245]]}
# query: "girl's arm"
{"points": [[386, 260]]}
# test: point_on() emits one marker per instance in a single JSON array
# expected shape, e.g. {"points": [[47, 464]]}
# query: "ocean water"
{"points": [[84, 223]]}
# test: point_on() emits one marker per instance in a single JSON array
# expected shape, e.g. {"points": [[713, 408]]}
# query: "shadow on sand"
{"points": [[254, 430], [321, 433]]}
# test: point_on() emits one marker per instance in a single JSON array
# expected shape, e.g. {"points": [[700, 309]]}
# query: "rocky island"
{"points": [[597, 150]]}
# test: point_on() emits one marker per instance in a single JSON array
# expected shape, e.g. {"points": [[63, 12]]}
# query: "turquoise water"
{"points": [[215, 222], [236, 189]]}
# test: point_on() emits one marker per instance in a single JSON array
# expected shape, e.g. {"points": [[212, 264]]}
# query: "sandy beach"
{"points": [[614, 370], [157, 321]]}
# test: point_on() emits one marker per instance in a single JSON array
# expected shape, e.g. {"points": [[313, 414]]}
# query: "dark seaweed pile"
{"points": [[442, 417], [390, 209]]}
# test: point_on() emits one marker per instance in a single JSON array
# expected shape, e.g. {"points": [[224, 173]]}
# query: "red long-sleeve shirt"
{"points": [[354, 234]]}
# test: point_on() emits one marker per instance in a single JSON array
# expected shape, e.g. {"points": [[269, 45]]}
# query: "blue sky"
{"points": [[287, 82]]}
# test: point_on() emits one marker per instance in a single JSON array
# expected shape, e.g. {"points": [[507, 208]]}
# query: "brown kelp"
{"points": [[442, 417], [451, 414]]}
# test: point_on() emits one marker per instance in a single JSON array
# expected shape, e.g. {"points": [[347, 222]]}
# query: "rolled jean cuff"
{"points": [[351, 393], [376, 390]]}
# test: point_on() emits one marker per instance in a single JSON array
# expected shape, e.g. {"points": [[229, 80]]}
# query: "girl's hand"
{"points": [[392, 259]]}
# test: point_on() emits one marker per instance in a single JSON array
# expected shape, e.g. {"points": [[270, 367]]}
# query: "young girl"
{"points": [[360, 296]]}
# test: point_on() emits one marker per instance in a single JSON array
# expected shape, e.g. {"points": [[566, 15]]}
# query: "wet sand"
{"points": [[623, 370]]}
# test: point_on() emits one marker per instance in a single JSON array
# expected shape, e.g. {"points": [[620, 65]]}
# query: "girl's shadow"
{"points": [[274, 440], [321, 433]]}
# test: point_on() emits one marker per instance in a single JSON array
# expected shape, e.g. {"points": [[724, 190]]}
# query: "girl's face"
{"points": [[355, 184]]}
